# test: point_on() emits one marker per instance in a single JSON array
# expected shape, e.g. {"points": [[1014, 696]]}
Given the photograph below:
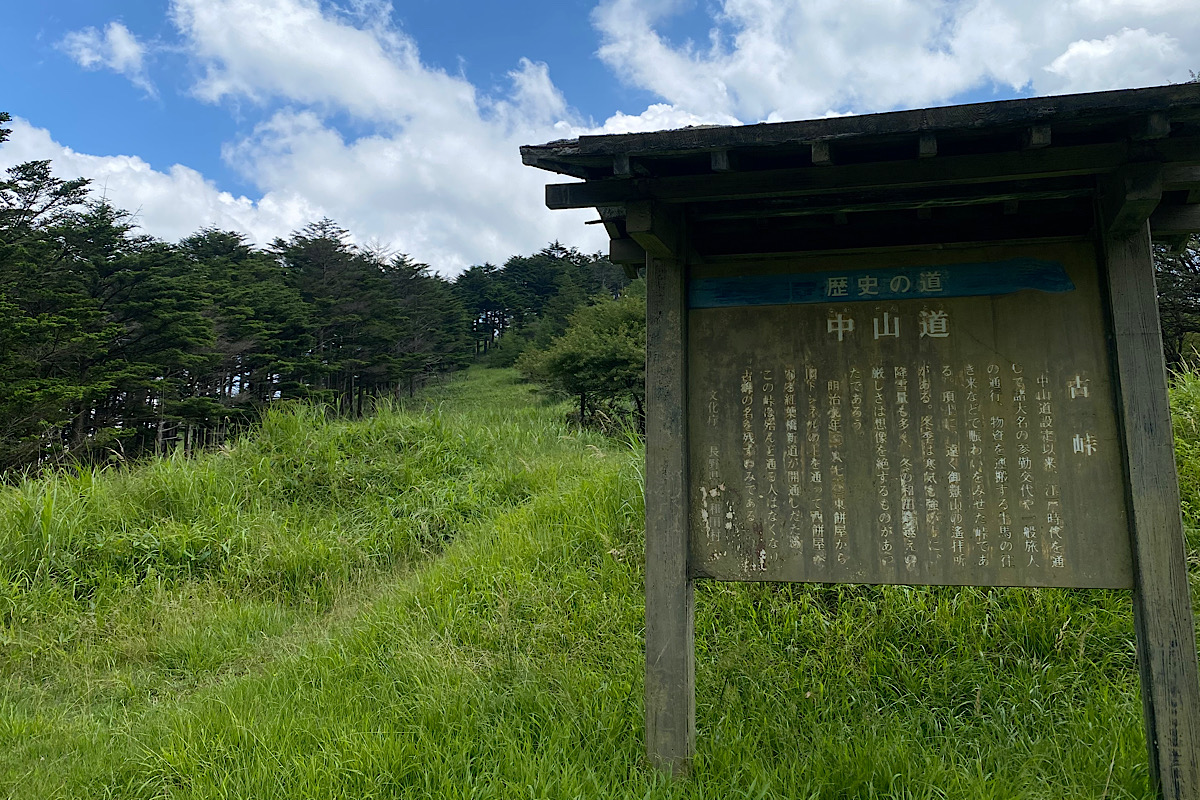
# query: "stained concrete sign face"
{"points": [[926, 418]]}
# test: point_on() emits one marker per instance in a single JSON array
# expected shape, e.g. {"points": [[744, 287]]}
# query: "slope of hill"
{"points": [[446, 601]]}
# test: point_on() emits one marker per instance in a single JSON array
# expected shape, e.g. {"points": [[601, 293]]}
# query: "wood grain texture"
{"points": [[1166, 636], [670, 654]]}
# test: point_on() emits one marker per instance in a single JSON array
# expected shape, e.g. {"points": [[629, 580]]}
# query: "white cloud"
{"points": [[657, 117], [439, 175], [1128, 58], [170, 204], [788, 59], [297, 51], [116, 49], [440, 179]]}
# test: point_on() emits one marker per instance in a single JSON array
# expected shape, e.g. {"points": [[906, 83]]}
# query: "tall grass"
{"points": [[481, 636]]}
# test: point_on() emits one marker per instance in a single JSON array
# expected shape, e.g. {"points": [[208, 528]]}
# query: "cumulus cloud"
{"points": [[787, 59], [437, 173], [297, 51], [1128, 58], [113, 48], [441, 178], [170, 204]]}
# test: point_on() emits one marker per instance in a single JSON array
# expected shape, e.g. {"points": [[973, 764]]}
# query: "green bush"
{"points": [[600, 360]]}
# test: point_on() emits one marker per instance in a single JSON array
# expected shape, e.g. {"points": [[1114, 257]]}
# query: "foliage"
{"points": [[527, 301], [1177, 275], [505, 659], [599, 359], [114, 344]]}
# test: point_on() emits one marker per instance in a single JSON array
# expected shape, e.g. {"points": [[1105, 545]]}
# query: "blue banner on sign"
{"points": [[873, 285]]}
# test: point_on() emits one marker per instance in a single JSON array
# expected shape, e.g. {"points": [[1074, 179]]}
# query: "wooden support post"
{"points": [[670, 649], [1166, 636]]}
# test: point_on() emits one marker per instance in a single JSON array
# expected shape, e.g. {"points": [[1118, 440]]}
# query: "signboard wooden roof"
{"points": [[1015, 169]]}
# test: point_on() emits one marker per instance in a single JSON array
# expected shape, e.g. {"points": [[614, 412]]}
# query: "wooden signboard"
{"points": [[913, 419], [919, 347]]}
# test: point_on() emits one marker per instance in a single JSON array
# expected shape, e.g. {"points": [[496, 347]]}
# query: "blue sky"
{"points": [[401, 120]]}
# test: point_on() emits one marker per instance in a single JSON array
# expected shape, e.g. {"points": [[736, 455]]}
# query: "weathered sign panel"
{"points": [[907, 419]]}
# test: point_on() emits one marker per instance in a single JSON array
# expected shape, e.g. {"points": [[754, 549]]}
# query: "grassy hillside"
{"points": [[446, 602]]}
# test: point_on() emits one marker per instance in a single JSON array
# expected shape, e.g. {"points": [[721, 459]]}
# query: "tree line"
{"points": [[114, 344]]}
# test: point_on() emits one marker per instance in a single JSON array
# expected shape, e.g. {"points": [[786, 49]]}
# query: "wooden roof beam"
{"points": [[613, 218], [1183, 177], [822, 156], [1091, 159], [1129, 196], [656, 227], [927, 145], [976, 195], [1150, 127], [629, 254], [1175, 220], [1035, 137]]}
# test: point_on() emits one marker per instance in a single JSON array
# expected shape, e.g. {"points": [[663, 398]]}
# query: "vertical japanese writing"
{"points": [[908, 491], [975, 463], [1000, 467], [793, 467], [749, 450], [879, 438], [712, 505], [929, 479], [856, 399], [1078, 390], [954, 499], [1045, 410], [902, 409], [837, 470], [771, 467], [712, 509], [1024, 453], [812, 435], [963, 469]]}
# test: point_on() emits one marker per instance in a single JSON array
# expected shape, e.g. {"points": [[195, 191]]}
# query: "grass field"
{"points": [[446, 602]]}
